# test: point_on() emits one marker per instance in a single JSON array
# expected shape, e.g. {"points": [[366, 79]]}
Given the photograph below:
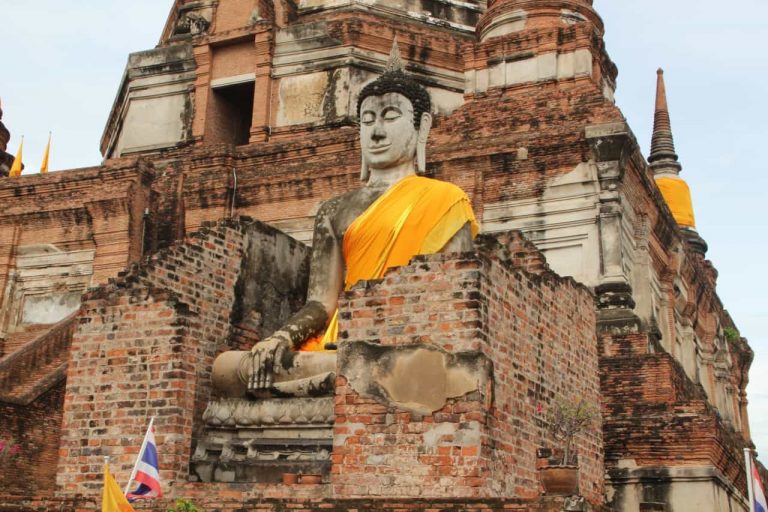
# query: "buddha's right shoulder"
{"points": [[343, 202]]}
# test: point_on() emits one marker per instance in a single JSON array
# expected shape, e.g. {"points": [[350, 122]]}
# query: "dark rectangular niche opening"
{"points": [[230, 114]]}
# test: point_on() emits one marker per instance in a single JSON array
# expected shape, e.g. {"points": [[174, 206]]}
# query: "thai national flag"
{"points": [[759, 503], [147, 474]]}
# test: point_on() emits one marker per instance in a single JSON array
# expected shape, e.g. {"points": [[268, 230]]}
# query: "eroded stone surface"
{"points": [[419, 377], [238, 413]]}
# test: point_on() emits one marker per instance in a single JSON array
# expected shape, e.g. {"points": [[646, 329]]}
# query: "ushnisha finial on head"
{"points": [[395, 62], [396, 80]]}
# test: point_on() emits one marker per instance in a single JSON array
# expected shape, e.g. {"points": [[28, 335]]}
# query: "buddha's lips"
{"points": [[379, 149]]}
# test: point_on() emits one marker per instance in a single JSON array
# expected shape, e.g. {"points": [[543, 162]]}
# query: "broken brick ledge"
{"points": [[227, 503]]}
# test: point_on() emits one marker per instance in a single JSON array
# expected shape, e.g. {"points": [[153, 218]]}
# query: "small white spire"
{"points": [[395, 62]]}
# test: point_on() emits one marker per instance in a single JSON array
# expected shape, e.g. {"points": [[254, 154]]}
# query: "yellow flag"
{"points": [[113, 499], [44, 165], [17, 165]]}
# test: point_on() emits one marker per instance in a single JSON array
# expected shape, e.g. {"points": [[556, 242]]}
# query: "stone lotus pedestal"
{"points": [[259, 441]]}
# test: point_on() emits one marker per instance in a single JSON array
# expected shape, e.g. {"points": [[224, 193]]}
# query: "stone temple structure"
{"points": [[120, 284], [6, 159]]}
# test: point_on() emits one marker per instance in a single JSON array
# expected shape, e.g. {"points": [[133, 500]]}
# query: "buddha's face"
{"points": [[387, 135]]}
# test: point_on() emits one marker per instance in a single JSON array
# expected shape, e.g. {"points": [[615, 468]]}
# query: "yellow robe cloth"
{"points": [[415, 216], [678, 197]]}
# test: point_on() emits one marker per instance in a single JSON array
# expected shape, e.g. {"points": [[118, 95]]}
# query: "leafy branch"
{"points": [[566, 419]]}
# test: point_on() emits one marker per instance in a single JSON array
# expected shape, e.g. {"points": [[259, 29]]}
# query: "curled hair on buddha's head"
{"points": [[395, 79]]}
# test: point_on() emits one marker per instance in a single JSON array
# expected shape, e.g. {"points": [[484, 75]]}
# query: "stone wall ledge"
{"points": [[220, 498], [51, 348]]}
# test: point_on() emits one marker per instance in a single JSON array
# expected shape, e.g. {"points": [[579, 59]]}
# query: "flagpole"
{"points": [[750, 490], [141, 454]]}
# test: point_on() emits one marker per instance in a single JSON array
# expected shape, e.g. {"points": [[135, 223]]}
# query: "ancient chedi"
{"points": [[6, 159], [122, 283], [666, 169]]}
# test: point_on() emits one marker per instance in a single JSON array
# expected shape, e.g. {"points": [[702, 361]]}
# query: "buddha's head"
{"points": [[395, 120]]}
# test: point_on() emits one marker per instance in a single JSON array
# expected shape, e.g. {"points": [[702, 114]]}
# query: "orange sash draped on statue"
{"points": [[415, 216]]}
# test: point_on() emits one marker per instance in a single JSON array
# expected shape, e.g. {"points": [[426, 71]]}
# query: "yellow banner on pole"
{"points": [[112, 498], [17, 165], [44, 165]]}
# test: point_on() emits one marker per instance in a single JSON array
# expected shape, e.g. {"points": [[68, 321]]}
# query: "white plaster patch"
{"points": [[468, 436], [609, 93], [354, 429], [151, 109], [562, 222], [445, 102], [482, 80], [377, 460], [507, 23], [522, 71], [301, 98], [538, 68], [566, 66], [497, 75], [153, 122], [582, 64], [571, 17], [547, 64], [433, 435], [47, 286], [49, 309]]}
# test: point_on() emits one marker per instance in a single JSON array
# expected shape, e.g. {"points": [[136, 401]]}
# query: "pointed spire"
{"points": [[395, 62], [6, 159], [666, 168], [663, 158], [5, 135]]}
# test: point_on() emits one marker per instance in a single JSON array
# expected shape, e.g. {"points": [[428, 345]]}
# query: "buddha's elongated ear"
{"points": [[421, 143], [364, 172]]}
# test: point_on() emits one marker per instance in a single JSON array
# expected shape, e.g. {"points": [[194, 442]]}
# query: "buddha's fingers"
{"points": [[254, 374], [277, 359], [260, 373], [268, 375]]}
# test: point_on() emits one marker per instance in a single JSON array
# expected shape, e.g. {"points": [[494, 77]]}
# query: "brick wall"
{"points": [[233, 500], [144, 347], [30, 438], [539, 331], [542, 338], [285, 179], [96, 209], [655, 416]]}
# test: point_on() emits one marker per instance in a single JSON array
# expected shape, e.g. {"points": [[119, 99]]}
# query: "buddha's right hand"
{"points": [[268, 358]]}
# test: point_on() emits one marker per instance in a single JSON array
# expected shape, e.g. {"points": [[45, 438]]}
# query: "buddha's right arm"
{"points": [[326, 277], [307, 322]]}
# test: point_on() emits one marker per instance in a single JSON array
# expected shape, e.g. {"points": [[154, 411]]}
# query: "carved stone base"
{"points": [[615, 309], [695, 242], [258, 441]]}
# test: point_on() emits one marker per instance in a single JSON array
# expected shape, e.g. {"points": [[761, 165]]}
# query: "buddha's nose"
{"points": [[378, 134]]}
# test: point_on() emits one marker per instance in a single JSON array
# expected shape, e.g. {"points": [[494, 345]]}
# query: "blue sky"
{"points": [[62, 63]]}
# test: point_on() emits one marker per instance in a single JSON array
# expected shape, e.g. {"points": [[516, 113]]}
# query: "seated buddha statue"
{"points": [[396, 215]]}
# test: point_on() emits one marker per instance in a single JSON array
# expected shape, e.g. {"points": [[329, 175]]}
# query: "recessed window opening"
{"points": [[231, 113]]}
